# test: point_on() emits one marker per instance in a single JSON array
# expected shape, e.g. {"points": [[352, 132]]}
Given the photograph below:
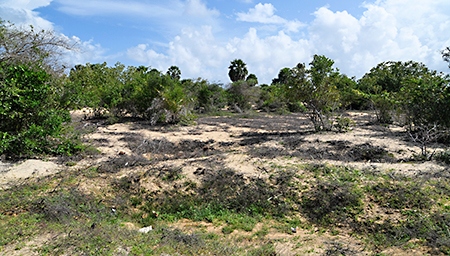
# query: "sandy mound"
{"points": [[24, 170]]}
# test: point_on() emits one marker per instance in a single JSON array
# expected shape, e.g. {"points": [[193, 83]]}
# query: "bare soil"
{"points": [[250, 145]]}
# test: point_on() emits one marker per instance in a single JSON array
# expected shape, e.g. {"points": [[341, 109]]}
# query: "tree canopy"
{"points": [[237, 70]]}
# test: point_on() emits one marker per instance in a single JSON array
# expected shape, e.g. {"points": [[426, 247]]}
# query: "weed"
{"points": [[333, 201], [337, 249], [344, 124], [170, 174], [401, 195], [368, 152], [121, 162], [18, 228], [443, 157], [162, 149], [265, 250], [267, 152], [65, 205]]}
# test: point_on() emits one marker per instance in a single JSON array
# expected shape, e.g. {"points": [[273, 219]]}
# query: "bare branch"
{"points": [[43, 48]]}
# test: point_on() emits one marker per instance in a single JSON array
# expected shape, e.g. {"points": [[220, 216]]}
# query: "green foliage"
{"points": [[94, 85], [401, 195], [31, 120], [446, 55], [237, 70], [332, 201], [283, 76], [242, 96], [273, 98], [118, 91], [344, 124], [443, 157], [426, 100], [209, 97], [252, 80], [383, 85], [316, 88], [174, 72], [350, 95]]}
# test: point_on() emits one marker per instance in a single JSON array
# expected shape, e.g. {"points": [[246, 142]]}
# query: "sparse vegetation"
{"points": [[263, 184]]}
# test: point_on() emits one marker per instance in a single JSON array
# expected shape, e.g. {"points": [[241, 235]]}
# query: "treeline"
{"points": [[36, 95]]}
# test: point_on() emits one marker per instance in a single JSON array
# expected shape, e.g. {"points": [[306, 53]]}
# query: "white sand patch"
{"points": [[26, 169]]}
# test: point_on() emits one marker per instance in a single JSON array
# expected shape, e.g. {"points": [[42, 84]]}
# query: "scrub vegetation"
{"points": [[291, 168]]}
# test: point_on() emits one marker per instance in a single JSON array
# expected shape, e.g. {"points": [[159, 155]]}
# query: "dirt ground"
{"points": [[244, 141], [248, 144]]}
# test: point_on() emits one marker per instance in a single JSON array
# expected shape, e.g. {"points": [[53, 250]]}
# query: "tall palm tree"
{"points": [[238, 70]]}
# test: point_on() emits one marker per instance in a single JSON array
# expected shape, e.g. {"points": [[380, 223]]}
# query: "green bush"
{"points": [[332, 201], [31, 120]]}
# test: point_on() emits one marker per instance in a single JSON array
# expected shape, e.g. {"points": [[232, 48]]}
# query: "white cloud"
{"points": [[388, 30], [121, 8], [171, 14], [199, 54], [20, 12], [84, 52], [199, 9], [196, 51], [26, 4], [265, 13]]}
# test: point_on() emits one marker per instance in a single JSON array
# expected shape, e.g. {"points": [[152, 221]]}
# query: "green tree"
{"points": [[96, 86], [31, 119], [425, 102], [316, 89], [321, 96], [283, 76], [241, 96], [350, 95], [446, 55], [252, 80], [174, 72], [383, 82], [208, 97], [237, 70], [273, 98]]}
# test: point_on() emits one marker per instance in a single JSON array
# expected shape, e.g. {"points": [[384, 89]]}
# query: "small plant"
{"points": [[402, 195], [170, 174], [329, 202], [443, 157], [344, 124]]}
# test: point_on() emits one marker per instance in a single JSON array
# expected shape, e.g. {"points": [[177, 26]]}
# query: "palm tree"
{"points": [[238, 70], [174, 72]]}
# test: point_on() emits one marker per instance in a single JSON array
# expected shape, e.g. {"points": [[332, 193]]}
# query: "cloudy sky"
{"points": [[203, 36]]}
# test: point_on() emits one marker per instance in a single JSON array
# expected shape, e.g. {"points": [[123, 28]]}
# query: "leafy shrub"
{"points": [[344, 124], [443, 156], [241, 96], [401, 195], [333, 201], [31, 120]]}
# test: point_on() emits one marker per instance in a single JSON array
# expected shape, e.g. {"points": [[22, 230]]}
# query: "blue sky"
{"points": [[202, 37]]}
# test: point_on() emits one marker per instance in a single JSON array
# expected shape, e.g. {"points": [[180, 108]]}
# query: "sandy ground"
{"points": [[12, 173], [249, 145], [242, 134]]}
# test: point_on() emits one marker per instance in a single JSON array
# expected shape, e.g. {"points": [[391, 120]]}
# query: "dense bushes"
{"points": [[36, 95], [31, 120]]}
